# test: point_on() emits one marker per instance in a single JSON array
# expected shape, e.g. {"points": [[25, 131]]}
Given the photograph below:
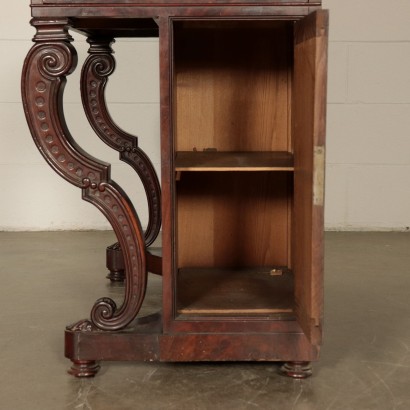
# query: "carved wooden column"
{"points": [[47, 64], [94, 77]]}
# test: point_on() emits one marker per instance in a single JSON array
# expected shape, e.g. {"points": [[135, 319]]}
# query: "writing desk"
{"points": [[242, 100]]}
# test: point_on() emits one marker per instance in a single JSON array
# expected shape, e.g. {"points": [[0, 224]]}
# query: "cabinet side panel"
{"points": [[167, 174], [309, 118]]}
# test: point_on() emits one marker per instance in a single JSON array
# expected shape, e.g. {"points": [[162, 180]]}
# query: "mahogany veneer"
{"points": [[243, 97]]}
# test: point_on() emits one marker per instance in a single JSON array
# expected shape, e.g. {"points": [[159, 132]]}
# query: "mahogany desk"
{"points": [[243, 97]]}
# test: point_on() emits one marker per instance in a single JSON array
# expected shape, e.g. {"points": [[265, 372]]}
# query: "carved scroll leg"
{"points": [[44, 75], [296, 370], [94, 77]]}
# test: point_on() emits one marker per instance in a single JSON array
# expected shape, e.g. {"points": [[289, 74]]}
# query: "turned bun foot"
{"points": [[296, 370], [84, 368]]}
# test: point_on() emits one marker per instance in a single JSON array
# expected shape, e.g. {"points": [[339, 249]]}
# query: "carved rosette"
{"points": [[44, 76], [97, 68]]}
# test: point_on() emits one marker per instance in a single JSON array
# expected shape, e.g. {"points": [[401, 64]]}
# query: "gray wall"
{"points": [[368, 165]]}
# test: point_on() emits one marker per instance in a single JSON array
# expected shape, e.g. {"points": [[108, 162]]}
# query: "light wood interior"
{"points": [[232, 99], [233, 219], [194, 161], [257, 291], [233, 85]]}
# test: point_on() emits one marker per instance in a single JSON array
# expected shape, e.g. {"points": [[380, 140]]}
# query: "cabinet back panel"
{"points": [[232, 84], [233, 219]]}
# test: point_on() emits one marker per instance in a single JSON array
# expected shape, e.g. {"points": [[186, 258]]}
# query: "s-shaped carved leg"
{"points": [[45, 69], [99, 65]]}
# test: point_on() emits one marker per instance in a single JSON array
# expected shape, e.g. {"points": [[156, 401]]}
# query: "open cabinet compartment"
{"points": [[245, 151]]}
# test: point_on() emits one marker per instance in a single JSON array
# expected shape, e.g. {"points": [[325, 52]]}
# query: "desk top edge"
{"points": [[128, 9], [173, 3]]}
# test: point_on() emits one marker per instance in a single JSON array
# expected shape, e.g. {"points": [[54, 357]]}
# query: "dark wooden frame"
{"points": [[114, 333]]}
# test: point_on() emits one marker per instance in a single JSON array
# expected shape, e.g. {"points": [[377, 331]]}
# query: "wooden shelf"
{"points": [[224, 292], [233, 161]]}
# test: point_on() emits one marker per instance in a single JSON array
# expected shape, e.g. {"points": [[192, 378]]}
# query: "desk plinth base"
{"points": [[145, 342]]}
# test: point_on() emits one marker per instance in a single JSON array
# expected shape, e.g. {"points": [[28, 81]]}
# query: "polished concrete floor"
{"points": [[49, 280]]}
